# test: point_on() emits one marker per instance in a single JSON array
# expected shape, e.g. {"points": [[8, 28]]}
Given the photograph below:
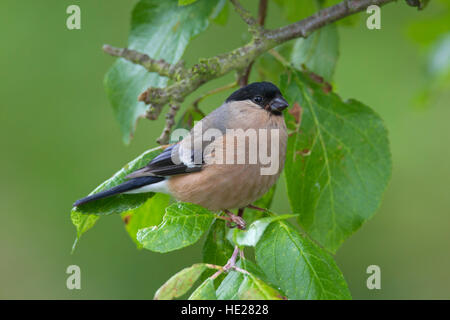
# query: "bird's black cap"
{"points": [[265, 94], [264, 89]]}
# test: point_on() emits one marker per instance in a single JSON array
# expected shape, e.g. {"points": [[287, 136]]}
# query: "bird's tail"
{"points": [[121, 188]]}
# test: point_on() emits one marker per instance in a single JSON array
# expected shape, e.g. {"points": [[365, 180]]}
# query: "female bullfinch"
{"points": [[206, 168]]}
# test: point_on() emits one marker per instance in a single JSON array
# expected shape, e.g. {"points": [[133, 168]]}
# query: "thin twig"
{"points": [[213, 266], [278, 57], [161, 67], [245, 75], [262, 12], [241, 270], [170, 121], [218, 273], [305, 27], [230, 265], [232, 261]]}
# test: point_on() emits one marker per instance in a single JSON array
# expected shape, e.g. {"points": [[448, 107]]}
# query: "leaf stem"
{"points": [[231, 264], [232, 261]]}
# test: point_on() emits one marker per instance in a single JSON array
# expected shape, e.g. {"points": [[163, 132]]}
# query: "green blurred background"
{"points": [[60, 140]]}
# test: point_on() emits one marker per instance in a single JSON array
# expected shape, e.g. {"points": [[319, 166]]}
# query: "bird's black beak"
{"points": [[278, 104]]}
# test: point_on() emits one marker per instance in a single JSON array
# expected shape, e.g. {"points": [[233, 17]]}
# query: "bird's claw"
{"points": [[238, 221]]}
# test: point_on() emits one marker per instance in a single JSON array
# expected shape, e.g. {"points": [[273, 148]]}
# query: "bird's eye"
{"points": [[257, 99]]}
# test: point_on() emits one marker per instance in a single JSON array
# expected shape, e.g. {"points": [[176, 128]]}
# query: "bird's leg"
{"points": [[226, 219], [233, 220], [251, 206], [237, 219]]}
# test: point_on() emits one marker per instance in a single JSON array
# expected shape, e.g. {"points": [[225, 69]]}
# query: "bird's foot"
{"points": [[236, 219]]}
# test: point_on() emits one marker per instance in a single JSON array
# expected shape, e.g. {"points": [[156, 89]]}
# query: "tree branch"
{"points": [[187, 81], [161, 67], [170, 121], [305, 27]]}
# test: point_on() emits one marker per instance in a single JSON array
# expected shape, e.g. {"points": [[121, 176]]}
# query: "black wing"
{"points": [[166, 164]]}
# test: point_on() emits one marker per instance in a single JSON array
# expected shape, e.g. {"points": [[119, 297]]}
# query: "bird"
{"points": [[206, 170]]}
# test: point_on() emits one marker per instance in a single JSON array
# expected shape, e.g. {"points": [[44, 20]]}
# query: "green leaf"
{"points": [[300, 268], [319, 52], [439, 57], [338, 161], [242, 286], [438, 73], [122, 202], [217, 249], [295, 10], [229, 287], [82, 222], [264, 202], [206, 291], [114, 204], [254, 269], [149, 214], [221, 13], [251, 236], [420, 4], [431, 26], [269, 68], [253, 288], [185, 2], [161, 29], [180, 283], [182, 225], [84, 217]]}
